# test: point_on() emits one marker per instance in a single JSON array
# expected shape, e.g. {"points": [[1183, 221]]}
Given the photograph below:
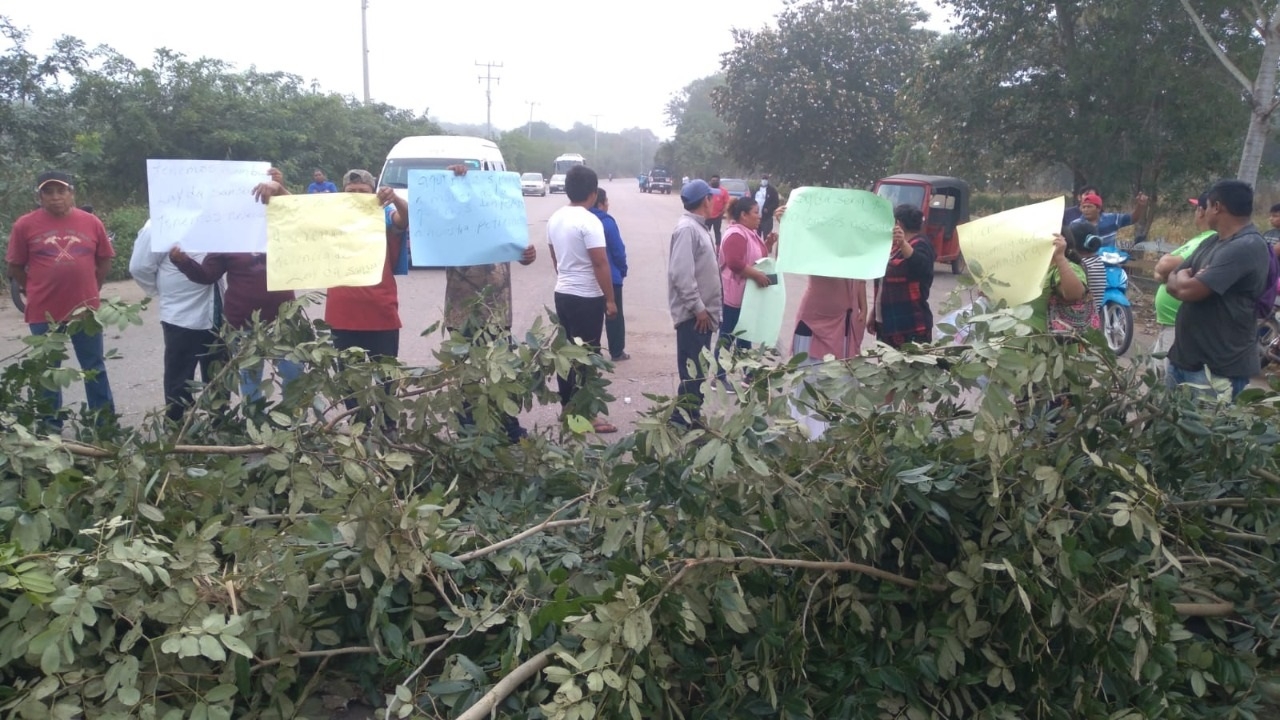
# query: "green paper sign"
{"points": [[835, 232], [762, 308]]}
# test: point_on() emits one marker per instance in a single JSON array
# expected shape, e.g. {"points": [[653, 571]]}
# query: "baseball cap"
{"points": [[358, 176], [1202, 201], [1092, 199], [53, 176], [694, 192]]}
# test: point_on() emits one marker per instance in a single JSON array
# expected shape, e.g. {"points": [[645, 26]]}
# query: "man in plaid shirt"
{"points": [[902, 314]]}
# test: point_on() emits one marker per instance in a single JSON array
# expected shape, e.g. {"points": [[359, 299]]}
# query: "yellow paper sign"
{"points": [[325, 240], [1008, 253]]}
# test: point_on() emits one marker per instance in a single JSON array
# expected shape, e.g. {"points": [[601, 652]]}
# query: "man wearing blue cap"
{"points": [[693, 292]]}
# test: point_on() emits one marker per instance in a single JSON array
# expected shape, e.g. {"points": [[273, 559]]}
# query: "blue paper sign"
{"points": [[473, 219]]}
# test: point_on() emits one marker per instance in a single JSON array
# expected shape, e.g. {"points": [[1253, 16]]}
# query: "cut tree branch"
{"points": [[355, 650], [824, 566], [507, 685]]}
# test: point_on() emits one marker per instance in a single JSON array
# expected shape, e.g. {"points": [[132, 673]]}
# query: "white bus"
{"points": [[566, 161], [437, 152]]}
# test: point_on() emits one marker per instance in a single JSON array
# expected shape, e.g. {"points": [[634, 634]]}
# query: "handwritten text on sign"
{"points": [[325, 240], [206, 205], [1008, 253], [473, 219], [835, 232]]}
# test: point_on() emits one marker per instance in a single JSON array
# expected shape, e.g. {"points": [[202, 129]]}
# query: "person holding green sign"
{"points": [[832, 318]]}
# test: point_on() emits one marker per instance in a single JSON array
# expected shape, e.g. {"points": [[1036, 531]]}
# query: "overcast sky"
{"points": [[620, 59]]}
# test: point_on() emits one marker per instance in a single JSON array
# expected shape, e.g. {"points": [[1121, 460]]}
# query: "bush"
{"points": [[124, 223], [982, 204], [1069, 542]]}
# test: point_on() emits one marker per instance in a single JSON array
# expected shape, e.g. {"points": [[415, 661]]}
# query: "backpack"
{"points": [[1264, 306]]}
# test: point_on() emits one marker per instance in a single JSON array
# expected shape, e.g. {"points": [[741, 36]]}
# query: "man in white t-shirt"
{"points": [[584, 282]]}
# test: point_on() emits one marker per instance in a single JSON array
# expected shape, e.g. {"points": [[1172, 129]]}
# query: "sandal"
{"points": [[603, 427]]}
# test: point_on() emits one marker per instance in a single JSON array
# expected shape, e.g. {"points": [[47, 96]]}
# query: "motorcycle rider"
{"points": [[1109, 224]]}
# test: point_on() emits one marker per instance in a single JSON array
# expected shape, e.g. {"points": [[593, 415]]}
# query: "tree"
{"points": [[699, 147], [1044, 82], [1260, 22], [813, 101]]}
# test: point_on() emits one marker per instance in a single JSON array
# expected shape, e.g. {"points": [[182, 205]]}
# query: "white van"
{"points": [[437, 152]]}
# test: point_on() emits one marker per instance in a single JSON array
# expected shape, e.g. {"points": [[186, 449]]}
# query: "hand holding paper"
{"points": [[1008, 253], [206, 205], [458, 220], [325, 240]]}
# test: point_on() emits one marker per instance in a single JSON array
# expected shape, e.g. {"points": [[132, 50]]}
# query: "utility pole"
{"points": [[530, 103], [595, 142], [364, 41], [488, 79]]}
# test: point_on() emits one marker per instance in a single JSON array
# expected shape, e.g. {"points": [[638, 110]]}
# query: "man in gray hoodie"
{"points": [[693, 292]]}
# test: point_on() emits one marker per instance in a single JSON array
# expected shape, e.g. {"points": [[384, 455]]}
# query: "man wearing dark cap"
{"points": [[60, 255], [693, 292]]}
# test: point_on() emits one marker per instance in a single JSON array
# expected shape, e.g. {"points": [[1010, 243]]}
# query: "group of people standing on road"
{"points": [[60, 255], [707, 278]]}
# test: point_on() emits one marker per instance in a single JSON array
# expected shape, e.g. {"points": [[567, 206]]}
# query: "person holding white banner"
{"points": [[246, 296]]}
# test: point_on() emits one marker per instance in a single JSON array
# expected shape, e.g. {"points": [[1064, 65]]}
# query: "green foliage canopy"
{"points": [[955, 553], [814, 99]]}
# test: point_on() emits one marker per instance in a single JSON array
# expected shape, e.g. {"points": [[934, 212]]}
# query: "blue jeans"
{"points": [[1177, 376], [251, 379], [91, 356]]}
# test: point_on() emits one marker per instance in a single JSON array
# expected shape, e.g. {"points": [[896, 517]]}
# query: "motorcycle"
{"points": [[1269, 337], [1117, 313]]}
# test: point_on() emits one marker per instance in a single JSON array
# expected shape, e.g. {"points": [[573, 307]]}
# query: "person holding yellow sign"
{"points": [[366, 317]]}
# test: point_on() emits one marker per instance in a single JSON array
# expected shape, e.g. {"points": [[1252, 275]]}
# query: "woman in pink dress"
{"points": [[740, 248], [832, 318]]}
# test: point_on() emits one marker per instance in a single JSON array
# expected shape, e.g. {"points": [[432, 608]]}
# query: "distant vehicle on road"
{"points": [[566, 161], [557, 183], [437, 152], [945, 204], [737, 187], [533, 184], [659, 181]]}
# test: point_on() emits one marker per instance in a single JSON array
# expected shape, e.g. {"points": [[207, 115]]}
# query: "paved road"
{"points": [[645, 221]]}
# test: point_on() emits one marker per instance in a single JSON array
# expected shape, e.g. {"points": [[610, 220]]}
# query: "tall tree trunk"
{"points": [[1261, 90], [1262, 103]]}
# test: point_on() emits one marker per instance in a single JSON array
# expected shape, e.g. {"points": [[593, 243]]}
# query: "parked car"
{"points": [[659, 181], [557, 183], [945, 204], [737, 187], [533, 184]]}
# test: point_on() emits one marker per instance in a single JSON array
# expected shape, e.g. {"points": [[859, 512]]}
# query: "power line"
{"points": [[488, 79]]}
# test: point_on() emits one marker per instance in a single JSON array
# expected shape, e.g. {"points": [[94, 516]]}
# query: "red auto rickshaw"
{"points": [[944, 202]]}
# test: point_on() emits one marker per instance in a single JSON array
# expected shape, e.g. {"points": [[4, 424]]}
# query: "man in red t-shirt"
{"points": [[719, 203], [60, 255], [366, 317]]}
